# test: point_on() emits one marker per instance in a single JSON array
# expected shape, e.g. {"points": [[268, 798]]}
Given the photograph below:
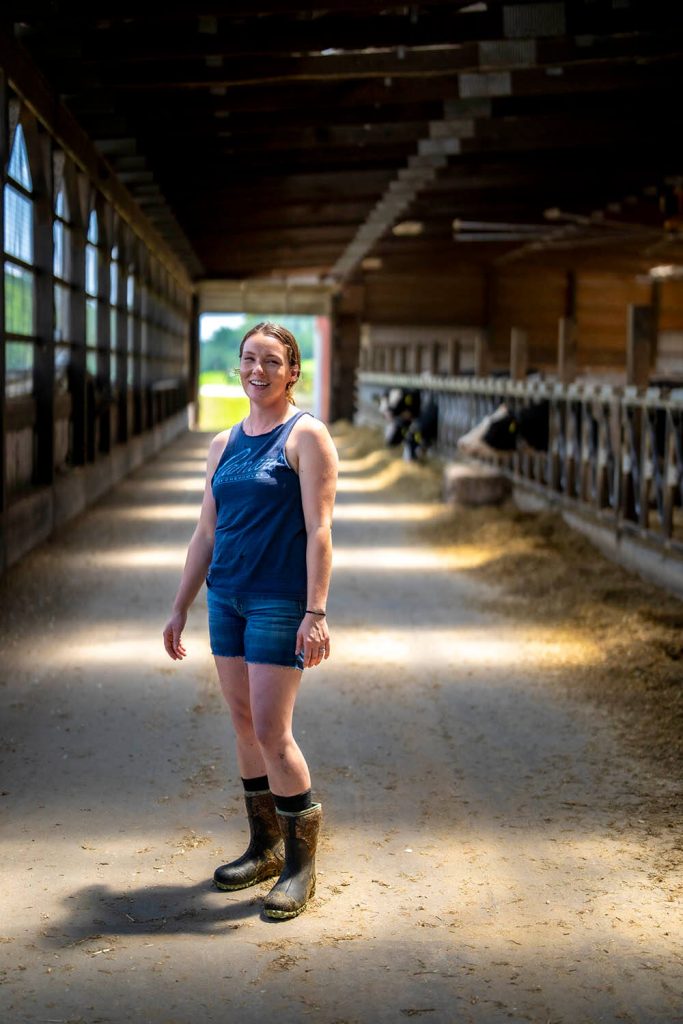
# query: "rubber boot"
{"points": [[264, 857], [296, 884]]}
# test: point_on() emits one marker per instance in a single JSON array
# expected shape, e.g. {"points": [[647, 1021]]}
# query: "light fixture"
{"points": [[408, 228], [666, 272], [371, 263]]}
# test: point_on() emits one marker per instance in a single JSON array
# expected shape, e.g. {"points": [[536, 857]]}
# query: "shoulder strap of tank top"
{"points": [[290, 423], [235, 433]]}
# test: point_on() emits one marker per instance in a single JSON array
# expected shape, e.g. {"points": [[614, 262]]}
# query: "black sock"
{"points": [[293, 804], [256, 785]]}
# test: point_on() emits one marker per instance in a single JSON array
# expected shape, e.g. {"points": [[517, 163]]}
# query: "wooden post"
{"points": [[482, 356], [518, 353], [44, 357], [122, 430], [139, 420], [453, 357], [638, 345], [347, 331], [566, 350], [432, 353], [77, 374], [193, 369]]}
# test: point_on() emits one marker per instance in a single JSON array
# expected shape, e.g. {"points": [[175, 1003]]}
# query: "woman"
{"points": [[263, 543]]}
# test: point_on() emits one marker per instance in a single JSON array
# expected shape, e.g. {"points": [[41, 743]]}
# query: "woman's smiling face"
{"points": [[264, 367]]}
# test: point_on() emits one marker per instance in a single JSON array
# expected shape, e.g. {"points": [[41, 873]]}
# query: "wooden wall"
{"points": [[448, 298], [533, 298]]}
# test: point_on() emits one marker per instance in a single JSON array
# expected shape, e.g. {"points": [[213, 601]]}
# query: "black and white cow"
{"points": [[504, 431], [423, 431], [400, 407]]}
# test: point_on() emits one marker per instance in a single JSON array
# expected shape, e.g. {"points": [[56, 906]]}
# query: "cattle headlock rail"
{"points": [[614, 453]]}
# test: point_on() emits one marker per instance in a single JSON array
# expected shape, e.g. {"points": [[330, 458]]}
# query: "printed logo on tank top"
{"points": [[242, 466]]}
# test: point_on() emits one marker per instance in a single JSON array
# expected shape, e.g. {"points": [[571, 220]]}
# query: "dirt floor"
{"points": [[496, 743]]}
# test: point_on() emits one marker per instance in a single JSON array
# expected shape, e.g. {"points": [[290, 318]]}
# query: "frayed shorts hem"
{"points": [[262, 630]]}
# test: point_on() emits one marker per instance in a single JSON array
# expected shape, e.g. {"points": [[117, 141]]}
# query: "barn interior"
{"points": [[467, 190]]}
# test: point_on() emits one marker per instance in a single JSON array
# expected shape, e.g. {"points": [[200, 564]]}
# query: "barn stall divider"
{"points": [[615, 454]]}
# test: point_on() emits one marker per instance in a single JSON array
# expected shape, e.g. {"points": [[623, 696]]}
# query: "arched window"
{"points": [[91, 294], [61, 271], [19, 274]]}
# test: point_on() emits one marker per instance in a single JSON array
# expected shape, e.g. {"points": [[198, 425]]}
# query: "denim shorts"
{"points": [[260, 629]]}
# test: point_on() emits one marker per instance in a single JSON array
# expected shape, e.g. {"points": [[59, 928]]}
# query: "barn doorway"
{"points": [[222, 401]]}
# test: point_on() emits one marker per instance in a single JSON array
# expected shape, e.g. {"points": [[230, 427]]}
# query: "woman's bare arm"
{"points": [[199, 553], [316, 464]]}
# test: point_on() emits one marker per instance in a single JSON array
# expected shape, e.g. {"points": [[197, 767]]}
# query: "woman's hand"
{"points": [[173, 631], [313, 639]]}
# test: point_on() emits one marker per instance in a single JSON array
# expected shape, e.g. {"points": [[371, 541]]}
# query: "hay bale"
{"points": [[474, 485]]}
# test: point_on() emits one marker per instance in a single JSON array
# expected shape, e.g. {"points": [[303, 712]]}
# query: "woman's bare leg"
{"points": [[234, 680], [272, 691]]}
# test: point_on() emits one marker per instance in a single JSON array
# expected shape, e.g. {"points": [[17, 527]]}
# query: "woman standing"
{"points": [[263, 543]]}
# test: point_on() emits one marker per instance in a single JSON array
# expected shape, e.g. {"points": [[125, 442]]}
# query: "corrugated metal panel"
{"points": [[493, 83], [507, 53], [529, 21]]}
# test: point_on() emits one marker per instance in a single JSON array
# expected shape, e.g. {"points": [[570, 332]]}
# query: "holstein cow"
{"points": [[400, 406], [503, 431], [423, 431]]}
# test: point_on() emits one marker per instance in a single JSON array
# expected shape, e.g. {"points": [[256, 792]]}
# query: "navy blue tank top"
{"points": [[260, 541]]}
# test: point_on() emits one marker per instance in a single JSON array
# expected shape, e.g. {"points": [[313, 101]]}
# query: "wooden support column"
{"points": [[453, 357], [103, 383], [482, 354], [138, 395], [44, 356], [122, 429], [77, 374], [433, 352], [518, 353], [567, 334], [566, 350], [348, 310], [193, 369], [639, 345], [4, 158]]}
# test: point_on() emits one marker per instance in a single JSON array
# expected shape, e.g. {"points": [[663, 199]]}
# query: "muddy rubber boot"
{"points": [[296, 884], [264, 857]]}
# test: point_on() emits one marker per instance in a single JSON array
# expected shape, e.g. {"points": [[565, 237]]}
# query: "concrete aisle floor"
{"points": [[483, 860]]}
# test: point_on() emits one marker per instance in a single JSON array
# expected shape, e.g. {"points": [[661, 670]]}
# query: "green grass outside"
{"points": [[218, 413], [221, 413]]}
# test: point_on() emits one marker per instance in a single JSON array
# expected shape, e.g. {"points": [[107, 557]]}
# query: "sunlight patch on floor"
{"points": [[140, 558], [383, 478], [404, 559], [407, 512], [161, 513], [368, 461], [466, 646], [182, 484]]}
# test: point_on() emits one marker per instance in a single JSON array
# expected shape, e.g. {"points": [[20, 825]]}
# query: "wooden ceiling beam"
{"points": [[500, 58], [144, 42]]}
